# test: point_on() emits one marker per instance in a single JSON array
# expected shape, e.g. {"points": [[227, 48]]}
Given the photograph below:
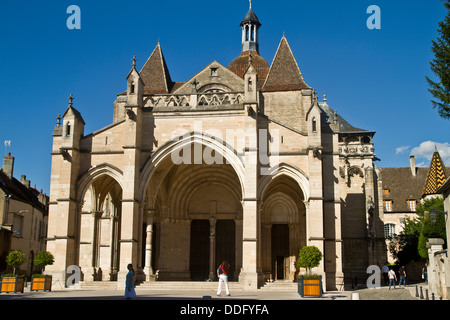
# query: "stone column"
{"points": [[212, 248], [149, 246]]}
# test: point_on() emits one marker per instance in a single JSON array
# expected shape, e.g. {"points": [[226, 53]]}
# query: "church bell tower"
{"points": [[250, 26]]}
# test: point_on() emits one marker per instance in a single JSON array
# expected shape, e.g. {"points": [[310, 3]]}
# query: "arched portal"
{"points": [[195, 213], [283, 227], [99, 227]]}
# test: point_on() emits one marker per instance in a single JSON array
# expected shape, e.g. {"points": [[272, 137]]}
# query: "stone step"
{"points": [[280, 286], [98, 285], [185, 285]]}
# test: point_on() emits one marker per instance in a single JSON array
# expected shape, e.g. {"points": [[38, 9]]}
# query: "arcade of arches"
{"points": [[191, 221]]}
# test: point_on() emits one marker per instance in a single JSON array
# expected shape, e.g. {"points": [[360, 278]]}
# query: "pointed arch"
{"points": [[285, 169]]}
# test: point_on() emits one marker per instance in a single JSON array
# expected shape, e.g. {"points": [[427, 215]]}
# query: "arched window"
{"points": [[314, 125], [68, 129]]}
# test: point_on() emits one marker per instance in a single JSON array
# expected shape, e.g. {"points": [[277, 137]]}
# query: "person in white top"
{"points": [[392, 278]]}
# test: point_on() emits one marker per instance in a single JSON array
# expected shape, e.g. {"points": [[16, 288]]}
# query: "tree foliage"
{"points": [[309, 257], [440, 66], [15, 258], [43, 258], [410, 244]]}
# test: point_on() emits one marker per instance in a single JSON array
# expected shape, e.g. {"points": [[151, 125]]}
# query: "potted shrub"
{"points": [[309, 285], [12, 282], [41, 281]]}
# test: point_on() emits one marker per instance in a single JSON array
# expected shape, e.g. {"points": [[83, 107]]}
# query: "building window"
{"points": [[387, 205], [314, 125], [17, 227], [385, 191], [389, 230], [412, 205], [214, 72]]}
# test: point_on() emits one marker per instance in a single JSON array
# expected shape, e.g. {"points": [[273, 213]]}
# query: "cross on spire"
{"points": [[134, 61], [71, 100]]}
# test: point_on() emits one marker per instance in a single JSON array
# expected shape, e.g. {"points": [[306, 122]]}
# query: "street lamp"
{"points": [[433, 215]]}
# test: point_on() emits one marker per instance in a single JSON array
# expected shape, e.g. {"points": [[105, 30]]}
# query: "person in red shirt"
{"points": [[222, 274]]}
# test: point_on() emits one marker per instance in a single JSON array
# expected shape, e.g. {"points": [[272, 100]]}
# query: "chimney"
{"points": [[24, 181], [412, 162], [8, 165]]}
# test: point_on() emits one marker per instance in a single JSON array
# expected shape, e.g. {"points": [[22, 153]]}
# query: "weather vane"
{"points": [[7, 144]]}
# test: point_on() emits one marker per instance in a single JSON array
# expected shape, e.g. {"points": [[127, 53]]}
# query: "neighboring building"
{"points": [[23, 217], [405, 187], [177, 182]]}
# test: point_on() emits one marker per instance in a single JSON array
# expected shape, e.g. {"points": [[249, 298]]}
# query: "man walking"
{"points": [[402, 277], [392, 278]]}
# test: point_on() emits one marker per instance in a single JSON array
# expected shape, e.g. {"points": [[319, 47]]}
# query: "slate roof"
{"points": [[284, 73], [11, 186], [344, 126], [251, 17]]}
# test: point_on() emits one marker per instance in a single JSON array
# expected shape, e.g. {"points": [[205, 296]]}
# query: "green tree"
{"points": [[43, 258], [430, 229], [410, 244], [15, 258], [309, 257], [440, 66]]}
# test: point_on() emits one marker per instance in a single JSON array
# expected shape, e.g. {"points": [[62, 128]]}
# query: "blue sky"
{"points": [[375, 79]]}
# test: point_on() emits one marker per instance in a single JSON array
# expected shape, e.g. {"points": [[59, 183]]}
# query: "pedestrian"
{"points": [[129, 283], [222, 274], [392, 278], [425, 273], [385, 271], [402, 277]]}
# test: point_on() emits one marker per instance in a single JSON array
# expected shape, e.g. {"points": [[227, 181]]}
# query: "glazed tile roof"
{"points": [[436, 175]]}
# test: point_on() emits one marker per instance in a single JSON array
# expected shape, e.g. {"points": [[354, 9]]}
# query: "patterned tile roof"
{"points": [[436, 175]]}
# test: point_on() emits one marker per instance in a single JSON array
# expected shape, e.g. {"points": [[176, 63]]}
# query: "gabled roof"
{"points": [[284, 73], [13, 187], [155, 73], [75, 113], [436, 175], [402, 186]]}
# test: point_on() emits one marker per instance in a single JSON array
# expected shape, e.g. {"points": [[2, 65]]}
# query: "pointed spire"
{"points": [[155, 73], [284, 73], [436, 175]]}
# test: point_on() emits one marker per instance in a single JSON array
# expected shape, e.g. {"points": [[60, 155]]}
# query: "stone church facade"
{"points": [[239, 163]]}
